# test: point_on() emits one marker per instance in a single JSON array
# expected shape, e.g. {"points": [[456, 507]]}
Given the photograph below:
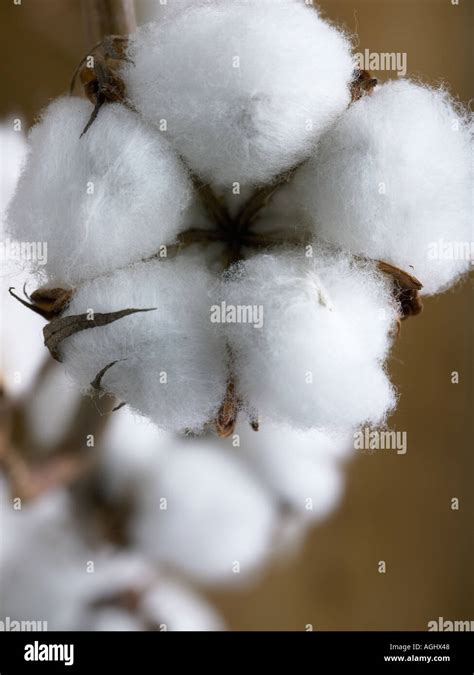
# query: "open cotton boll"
{"points": [[170, 361], [314, 357], [302, 468], [393, 180], [100, 201], [242, 89], [203, 512]]}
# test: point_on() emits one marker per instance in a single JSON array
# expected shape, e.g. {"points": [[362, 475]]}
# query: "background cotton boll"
{"points": [[218, 521], [302, 468], [245, 88], [176, 607], [171, 361], [43, 563], [310, 364], [21, 348], [392, 179], [57, 401], [102, 201], [110, 619], [50, 574]]}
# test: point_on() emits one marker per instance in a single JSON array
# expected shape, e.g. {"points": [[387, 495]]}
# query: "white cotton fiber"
{"points": [[317, 360], [393, 180], [301, 468], [171, 362], [243, 90], [202, 512], [102, 201], [12, 156]]}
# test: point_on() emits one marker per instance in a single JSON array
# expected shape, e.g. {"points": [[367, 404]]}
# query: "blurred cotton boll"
{"points": [[303, 469], [205, 514], [317, 360], [119, 189], [392, 179], [197, 508], [243, 90], [182, 608], [50, 574]]}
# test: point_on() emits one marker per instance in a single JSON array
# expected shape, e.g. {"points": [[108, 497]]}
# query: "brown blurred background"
{"points": [[397, 508]]}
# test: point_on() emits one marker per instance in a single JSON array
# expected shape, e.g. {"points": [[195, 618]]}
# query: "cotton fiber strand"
{"points": [[102, 201], [243, 89], [393, 180]]}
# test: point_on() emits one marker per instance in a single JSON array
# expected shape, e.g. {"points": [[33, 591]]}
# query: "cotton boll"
{"points": [[245, 89], [302, 468], [171, 362], [315, 360], [175, 607], [203, 513], [392, 180], [100, 201]]}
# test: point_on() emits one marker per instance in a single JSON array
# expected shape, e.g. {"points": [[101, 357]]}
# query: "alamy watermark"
{"points": [[9, 625], [24, 251], [226, 313], [373, 61], [446, 626], [451, 250], [375, 439]]}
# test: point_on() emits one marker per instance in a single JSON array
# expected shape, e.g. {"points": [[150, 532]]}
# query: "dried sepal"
{"points": [[47, 302], [100, 79], [363, 83], [61, 328], [406, 289], [96, 383], [227, 415]]}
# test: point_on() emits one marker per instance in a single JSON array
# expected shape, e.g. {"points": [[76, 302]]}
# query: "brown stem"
{"points": [[108, 17]]}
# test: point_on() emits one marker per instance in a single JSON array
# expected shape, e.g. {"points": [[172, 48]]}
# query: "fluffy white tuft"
{"points": [[102, 201], [317, 359], [393, 180], [245, 89], [301, 468], [219, 521], [170, 361]]}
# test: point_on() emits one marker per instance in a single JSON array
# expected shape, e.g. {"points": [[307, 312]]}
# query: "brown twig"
{"points": [[107, 17]]}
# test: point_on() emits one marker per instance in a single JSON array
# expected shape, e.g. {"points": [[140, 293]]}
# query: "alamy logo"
{"points": [[225, 313], [38, 651]]}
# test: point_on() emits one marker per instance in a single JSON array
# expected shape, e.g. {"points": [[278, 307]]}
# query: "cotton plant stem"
{"points": [[107, 17]]}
